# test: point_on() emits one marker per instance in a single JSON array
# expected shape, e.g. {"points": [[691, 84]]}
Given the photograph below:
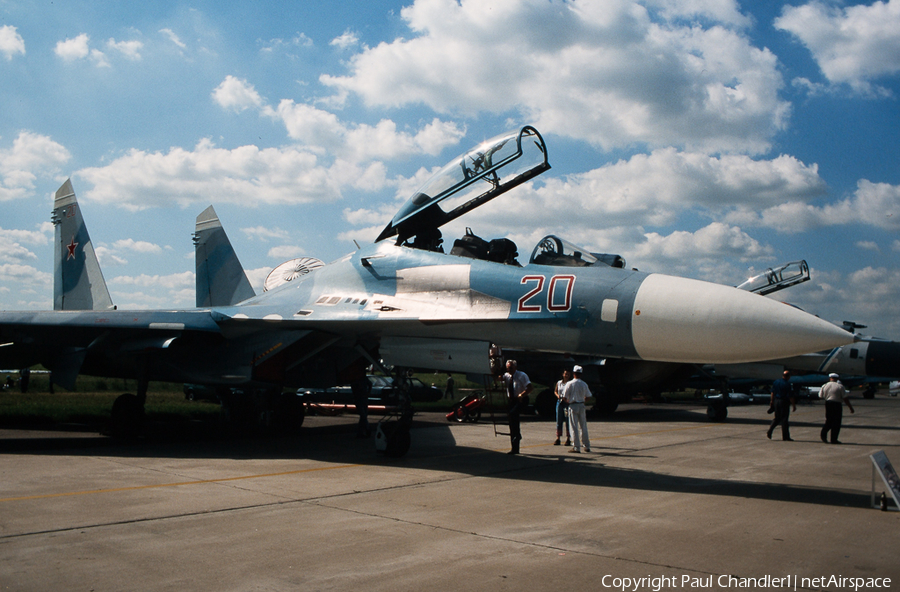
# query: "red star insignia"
{"points": [[71, 247]]}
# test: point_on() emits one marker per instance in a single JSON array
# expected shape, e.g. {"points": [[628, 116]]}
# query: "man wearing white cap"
{"points": [[575, 392], [834, 394]]}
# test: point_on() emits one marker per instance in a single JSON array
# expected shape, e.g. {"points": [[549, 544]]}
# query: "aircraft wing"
{"points": [[60, 340]]}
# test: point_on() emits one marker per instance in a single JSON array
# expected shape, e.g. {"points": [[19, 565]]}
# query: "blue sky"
{"points": [[704, 138]]}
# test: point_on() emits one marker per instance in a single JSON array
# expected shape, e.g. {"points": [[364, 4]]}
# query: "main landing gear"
{"points": [[246, 412], [126, 421], [392, 433], [717, 410]]}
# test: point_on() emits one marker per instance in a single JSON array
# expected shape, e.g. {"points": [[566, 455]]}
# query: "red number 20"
{"points": [[559, 293]]}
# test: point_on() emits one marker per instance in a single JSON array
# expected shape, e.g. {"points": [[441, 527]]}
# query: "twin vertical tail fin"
{"points": [[221, 280], [78, 282]]}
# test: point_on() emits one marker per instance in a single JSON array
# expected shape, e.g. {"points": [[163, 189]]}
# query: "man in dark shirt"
{"points": [[782, 400]]}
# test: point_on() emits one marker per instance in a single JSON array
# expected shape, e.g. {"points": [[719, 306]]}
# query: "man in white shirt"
{"points": [[518, 385], [834, 394], [576, 392]]}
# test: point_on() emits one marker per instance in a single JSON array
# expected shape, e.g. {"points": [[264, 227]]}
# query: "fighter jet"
{"points": [[405, 303], [868, 360]]}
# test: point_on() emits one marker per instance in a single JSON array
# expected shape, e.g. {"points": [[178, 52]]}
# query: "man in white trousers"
{"points": [[575, 392]]}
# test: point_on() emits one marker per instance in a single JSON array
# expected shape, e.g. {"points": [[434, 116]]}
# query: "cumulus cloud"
{"points": [[285, 252], [129, 49], [108, 258], [265, 234], [236, 94], [34, 286], [11, 250], [368, 222], [656, 189], [867, 245], [243, 175], [31, 155], [323, 130], [870, 296], [346, 40], [114, 255], [174, 281], [12, 241], [329, 157], [713, 241], [130, 244], [614, 74], [872, 204], [75, 48], [852, 45], [78, 48], [11, 43]]}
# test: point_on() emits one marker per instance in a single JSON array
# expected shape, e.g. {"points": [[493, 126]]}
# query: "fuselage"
{"points": [[310, 329]]}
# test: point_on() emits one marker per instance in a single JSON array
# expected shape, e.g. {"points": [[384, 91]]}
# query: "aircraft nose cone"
{"points": [[690, 321]]}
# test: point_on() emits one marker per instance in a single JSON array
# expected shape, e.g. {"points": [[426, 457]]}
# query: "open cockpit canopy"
{"points": [[473, 178], [552, 250]]}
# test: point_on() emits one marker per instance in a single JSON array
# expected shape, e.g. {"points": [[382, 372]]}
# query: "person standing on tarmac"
{"points": [[834, 394], [562, 407], [781, 400], [576, 392], [518, 386], [448, 391]]}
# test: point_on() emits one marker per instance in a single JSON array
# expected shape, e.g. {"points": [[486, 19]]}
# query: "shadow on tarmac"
{"points": [[433, 448]]}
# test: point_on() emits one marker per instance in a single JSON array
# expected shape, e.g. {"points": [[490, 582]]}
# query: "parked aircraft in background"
{"points": [[869, 360], [408, 304]]}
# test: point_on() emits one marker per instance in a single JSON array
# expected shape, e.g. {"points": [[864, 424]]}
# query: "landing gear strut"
{"points": [[392, 434]]}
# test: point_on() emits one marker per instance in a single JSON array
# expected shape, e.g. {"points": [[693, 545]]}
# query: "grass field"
{"points": [[43, 408], [92, 400]]}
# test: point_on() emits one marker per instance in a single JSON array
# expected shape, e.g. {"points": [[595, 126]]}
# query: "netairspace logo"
{"points": [[790, 582]]}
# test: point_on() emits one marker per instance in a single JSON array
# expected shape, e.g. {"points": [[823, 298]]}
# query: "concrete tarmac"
{"points": [[664, 493]]}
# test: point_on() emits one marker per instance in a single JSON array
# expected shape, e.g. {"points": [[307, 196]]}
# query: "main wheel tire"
{"points": [[289, 414], [398, 442], [127, 417], [717, 412]]}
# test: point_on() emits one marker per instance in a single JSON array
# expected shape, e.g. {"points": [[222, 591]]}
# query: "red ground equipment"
{"points": [[468, 409]]}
